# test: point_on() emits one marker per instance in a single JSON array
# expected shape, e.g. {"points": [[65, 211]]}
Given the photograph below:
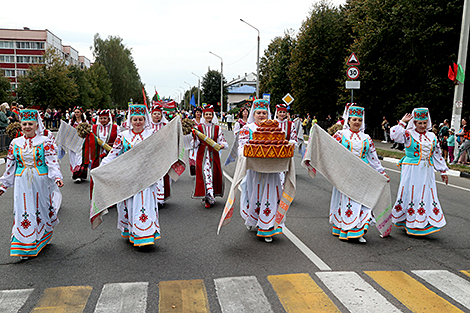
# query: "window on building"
{"points": [[21, 72], [9, 73], [7, 59], [23, 59], [7, 44]]}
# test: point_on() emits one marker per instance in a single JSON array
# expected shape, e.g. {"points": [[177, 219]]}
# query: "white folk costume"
{"points": [[137, 216], [193, 151], [238, 126], [76, 158], [209, 181], [260, 192], [351, 219], [163, 185], [32, 169], [417, 207], [288, 128]]}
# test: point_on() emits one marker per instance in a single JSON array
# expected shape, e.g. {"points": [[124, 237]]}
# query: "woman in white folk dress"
{"points": [[76, 158], [417, 208], [33, 170], [350, 219], [137, 216], [260, 192]]}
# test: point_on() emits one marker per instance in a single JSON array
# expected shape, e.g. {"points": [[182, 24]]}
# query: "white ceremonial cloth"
{"points": [[68, 137], [262, 165], [131, 172], [350, 175]]}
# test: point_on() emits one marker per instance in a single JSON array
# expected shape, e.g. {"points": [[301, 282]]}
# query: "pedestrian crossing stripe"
{"points": [[300, 293], [370, 291], [411, 293], [70, 299], [183, 296]]}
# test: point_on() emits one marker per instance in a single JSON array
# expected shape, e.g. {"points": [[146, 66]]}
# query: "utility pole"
{"points": [[461, 60], [198, 90]]}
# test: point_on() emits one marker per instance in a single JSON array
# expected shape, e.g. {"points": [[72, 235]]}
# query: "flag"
{"points": [[192, 102], [218, 103], [460, 74], [145, 98], [451, 74], [156, 94]]}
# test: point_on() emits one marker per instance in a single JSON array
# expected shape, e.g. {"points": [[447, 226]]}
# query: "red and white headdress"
{"points": [[209, 108]]}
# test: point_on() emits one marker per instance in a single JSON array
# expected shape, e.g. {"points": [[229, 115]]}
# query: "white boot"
{"points": [[362, 240], [268, 239]]}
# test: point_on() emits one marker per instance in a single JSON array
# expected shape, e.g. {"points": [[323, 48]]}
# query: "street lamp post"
{"points": [[198, 89], [221, 83], [183, 95], [257, 61], [189, 94]]}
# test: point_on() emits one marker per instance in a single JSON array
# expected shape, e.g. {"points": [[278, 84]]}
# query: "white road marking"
{"points": [[297, 242], [449, 283], [241, 294], [355, 293], [305, 250], [123, 297], [11, 301]]}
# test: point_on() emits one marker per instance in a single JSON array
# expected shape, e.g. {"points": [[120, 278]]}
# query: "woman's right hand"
{"points": [[2, 192], [406, 118]]}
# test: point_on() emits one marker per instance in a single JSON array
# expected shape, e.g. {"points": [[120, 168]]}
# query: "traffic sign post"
{"points": [[288, 99], [353, 73]]}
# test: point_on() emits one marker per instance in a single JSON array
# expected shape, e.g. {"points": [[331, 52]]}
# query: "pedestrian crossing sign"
{"points": [[288, 99]]}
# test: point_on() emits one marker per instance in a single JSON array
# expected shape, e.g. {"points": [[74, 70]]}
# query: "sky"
{"points": [[169, 39]]}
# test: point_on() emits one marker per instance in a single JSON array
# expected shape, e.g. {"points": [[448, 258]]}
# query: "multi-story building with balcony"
{"points": [[22, 48]]}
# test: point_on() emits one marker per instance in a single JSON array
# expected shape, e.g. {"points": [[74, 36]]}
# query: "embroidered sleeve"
{"points": [[52, 162], [221, 139], [243, 138], [8, 178], [338, 136], [236, 128], [293, 134], [115, 151], [399, 134], [440, 164], [373, 158]]}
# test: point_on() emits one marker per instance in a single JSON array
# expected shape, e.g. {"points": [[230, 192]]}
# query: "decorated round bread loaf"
{"points": [[269, 141]]}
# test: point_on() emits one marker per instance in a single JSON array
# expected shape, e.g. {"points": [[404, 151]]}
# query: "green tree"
{"points": [[48, 84], [121, 68], [317, 60], [100, 83], [274, 68], [5, 89], [84, 89], [405, 48], [211, 89]]}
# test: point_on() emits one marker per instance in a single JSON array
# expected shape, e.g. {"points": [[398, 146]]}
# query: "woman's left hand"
{"points": [[445, 179], [388, 177], [59, 183]]}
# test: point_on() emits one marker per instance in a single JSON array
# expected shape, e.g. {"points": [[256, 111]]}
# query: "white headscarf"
{"points": [[411, 123], [346, 117], [251, 117]]}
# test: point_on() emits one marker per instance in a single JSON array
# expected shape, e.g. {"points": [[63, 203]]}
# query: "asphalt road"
{"points": [[190, 248]]}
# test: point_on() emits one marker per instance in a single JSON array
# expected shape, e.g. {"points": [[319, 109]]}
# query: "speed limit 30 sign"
{"points": [[352, 72]]}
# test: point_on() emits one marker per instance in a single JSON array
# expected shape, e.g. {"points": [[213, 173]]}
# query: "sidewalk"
{"points": [[388, 147]]}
